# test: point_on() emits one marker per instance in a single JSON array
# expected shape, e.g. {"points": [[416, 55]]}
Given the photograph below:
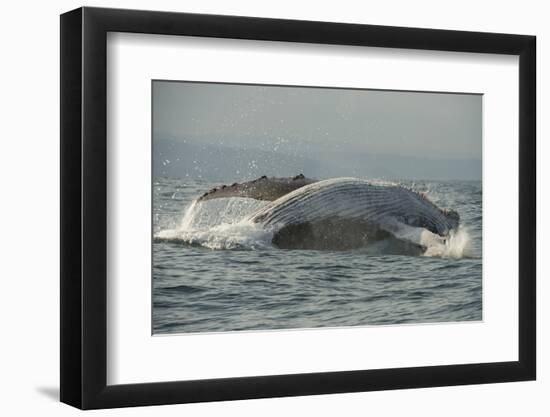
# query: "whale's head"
{"points": [[452, 217]]}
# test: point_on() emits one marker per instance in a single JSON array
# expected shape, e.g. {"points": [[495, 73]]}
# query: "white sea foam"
{"points": [[220, 224], [456, 245]]}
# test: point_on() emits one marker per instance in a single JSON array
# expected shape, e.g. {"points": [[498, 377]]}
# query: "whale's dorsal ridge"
{"points": [[262, 188]]}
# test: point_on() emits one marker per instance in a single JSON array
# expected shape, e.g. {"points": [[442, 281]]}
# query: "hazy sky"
{"points": [[333, 125]]}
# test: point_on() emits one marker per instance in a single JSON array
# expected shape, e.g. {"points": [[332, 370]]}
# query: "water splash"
{"points": [[220, 224], [188, 217], [456, 245]]}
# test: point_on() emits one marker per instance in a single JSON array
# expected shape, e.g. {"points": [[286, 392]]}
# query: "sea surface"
{"points": [[212, 272]]}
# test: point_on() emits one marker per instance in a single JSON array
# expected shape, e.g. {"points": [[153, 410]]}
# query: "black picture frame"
{"points": [[84, 207]]}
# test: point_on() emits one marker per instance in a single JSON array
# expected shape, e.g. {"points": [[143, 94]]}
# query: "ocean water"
{"points": [[212, 272]]}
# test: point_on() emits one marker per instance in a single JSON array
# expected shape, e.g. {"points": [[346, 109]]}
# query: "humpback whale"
{"points": [[343, 213]]}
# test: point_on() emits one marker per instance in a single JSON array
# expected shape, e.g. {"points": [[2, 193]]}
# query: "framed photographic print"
{"points": [[257, 207]]}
